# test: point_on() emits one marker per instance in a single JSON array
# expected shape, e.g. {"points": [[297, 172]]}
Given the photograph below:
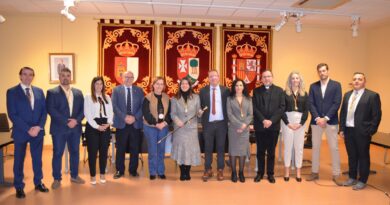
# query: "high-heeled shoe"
{"points": [[241, 177], [286, 179], [299, 179], [234, 177]]}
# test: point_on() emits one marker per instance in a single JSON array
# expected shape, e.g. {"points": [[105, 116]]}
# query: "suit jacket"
{"points": [[327, 105], [368, 112], [205, 100], [276, 107], [120, 107], [58, 109], [178, 111], [234, 113], [22, 116]]}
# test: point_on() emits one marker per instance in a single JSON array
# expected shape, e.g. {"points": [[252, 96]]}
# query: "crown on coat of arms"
{"points": [[188, 50], [126, 48], [246, 50]]}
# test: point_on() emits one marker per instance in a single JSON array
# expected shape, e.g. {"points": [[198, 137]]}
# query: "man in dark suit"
{"points": [[214, 122], [268, 108], [65, 106], [127, 105], [325, 99], [27, 111], [359, 120]]}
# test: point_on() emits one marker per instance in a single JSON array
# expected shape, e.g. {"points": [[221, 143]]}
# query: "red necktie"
{"points": [[213, 111]]}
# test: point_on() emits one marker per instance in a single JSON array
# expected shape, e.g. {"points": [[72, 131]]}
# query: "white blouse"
{"points": [[92, 110]]}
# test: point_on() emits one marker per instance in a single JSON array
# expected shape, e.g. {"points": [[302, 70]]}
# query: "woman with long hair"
{"points": [[99, 114], [240, 115], [293, 126]]}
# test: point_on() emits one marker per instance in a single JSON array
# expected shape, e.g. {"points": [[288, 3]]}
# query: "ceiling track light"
{"points": [[65, 11], [355, 25], [288, 15], [2, 19]]}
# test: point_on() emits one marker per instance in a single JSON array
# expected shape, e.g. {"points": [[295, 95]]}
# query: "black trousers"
{"points": [[97, 142], [128, 138], [266, 142], [214, 132], [358, 150]]}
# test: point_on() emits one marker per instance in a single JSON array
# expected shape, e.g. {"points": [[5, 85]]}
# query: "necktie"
{"points": [[129, 101], [28, 94], [351, 112], [213, 110], [102, 107]]}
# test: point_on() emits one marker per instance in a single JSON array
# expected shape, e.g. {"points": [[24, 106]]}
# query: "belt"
{"points": [[216, 121]]}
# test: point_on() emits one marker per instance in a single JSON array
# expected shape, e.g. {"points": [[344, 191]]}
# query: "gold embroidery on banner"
{"points": [[172, 86], [144, 84], [111, 36], [174, 38], [233, 39], [109, 85], [229, 82], [204, 83]]}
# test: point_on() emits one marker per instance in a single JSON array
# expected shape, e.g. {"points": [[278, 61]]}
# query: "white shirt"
{"points": [[351, 116], [31, 94], [69, 97], [92, 110], [323, 87], [218, 104]]}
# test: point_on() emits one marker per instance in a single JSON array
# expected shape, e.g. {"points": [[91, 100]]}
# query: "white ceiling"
{"points": [[371, 11]]}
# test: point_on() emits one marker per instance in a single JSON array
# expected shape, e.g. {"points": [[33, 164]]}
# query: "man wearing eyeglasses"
{"points": [[127, 105]]}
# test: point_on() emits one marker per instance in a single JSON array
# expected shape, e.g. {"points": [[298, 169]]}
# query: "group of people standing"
{"points": [[224, 114]]}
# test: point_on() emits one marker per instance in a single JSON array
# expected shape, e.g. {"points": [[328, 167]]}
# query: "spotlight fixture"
{"points": [[298, 23], [65, 11], [355, 25], [2, 19], [282, 22]]}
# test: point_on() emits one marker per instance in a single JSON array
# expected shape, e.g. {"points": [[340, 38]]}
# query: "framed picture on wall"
{"points": [[58, 61]]}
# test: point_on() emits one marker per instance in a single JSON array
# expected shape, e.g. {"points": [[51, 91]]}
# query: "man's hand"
{"points": [[129, 119], [267, 123], [342, 134], [34, 131], [72, 123], [321, 122]]}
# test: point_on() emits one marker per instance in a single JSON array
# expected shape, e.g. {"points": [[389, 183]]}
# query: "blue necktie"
{"points": [[129, 101]]}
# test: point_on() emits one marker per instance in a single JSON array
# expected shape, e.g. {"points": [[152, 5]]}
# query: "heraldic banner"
{"points": [[245, 54], [126, 47], [187, 51]]}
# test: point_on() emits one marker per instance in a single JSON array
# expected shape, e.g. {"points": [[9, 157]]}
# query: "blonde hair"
{"points": [[155, 81], [301, 87]]}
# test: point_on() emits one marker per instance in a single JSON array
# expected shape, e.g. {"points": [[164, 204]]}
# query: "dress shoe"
{"points": [[77, 180], [42, 188], [207, 174], [313, 176], [56, 184], [299, 179], [152, 177], [134, 174], [220, 175], [241, 177], [258, 178], [162, 176], [359, 186], [234, 177], [118, 175], [271, 179], [20, 194], [350, 182], [286, 179], [336, 180]]}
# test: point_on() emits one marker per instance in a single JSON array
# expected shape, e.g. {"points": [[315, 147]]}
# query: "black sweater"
{"points": [[302, 104]]}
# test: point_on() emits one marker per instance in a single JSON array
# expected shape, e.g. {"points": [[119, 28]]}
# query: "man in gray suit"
{"points": [[127, 105], [214, 122]]}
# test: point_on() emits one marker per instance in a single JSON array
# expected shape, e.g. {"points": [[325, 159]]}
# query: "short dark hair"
{"points": [[321, 65], [26, 68], [233, 89], [267, 70], [359, 73], [66, 70]]}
